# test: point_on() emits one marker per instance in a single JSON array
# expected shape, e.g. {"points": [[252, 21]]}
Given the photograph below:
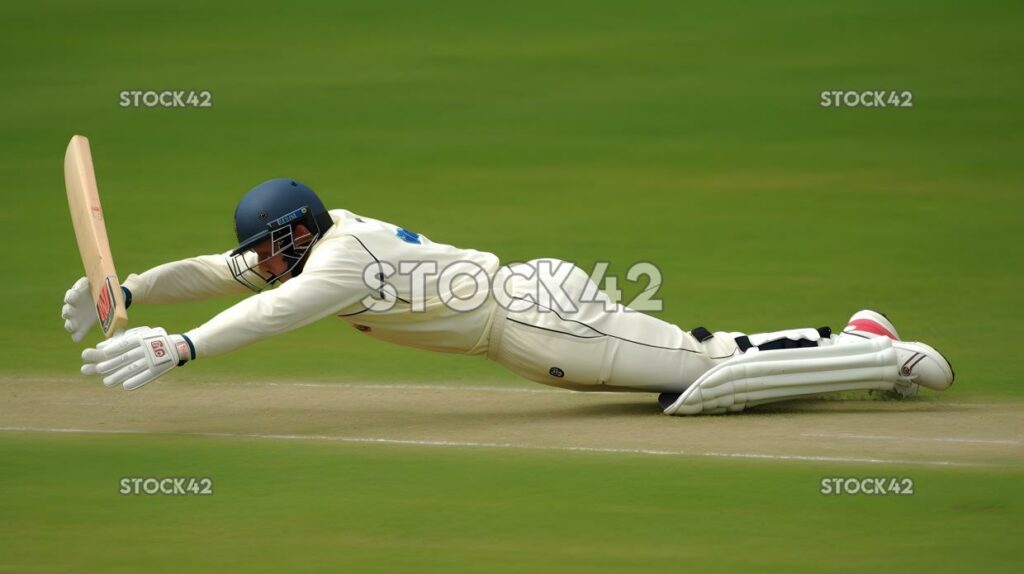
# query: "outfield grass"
{"points": [[689, 136], [298, 507]]}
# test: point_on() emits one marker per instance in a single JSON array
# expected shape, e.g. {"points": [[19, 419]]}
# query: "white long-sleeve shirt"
{"points": [[341, 276]]}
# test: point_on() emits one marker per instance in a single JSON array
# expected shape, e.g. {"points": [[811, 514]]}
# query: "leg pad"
{"points": [[760, 377]]}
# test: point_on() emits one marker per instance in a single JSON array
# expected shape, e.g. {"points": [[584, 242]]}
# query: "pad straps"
{"points": [[789, 339]]}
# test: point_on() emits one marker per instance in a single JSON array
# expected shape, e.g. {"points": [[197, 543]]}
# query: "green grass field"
{"points": [[688, 136], [299, 507]]}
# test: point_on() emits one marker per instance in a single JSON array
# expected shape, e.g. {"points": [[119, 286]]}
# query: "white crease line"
{"points": [[985, 405], [340, 385], [910, 438], [517, 446], [481, 388], [29, 379], [413, 387]]}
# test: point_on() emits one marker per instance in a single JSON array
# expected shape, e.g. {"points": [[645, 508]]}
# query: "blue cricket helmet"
{"points": [[273, 204], [271, 211]]}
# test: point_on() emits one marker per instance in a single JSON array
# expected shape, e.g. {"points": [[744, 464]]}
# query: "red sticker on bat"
{"points": [[105, 305]]}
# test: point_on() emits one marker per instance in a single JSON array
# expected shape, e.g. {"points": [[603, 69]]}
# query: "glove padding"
{"points": [[79, 313], [135, 357]]}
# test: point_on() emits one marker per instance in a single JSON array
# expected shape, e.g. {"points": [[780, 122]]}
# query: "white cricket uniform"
{"points": [[589, 349]]}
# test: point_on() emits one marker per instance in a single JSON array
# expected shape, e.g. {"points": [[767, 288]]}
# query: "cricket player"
{"points": [[543, 319]]}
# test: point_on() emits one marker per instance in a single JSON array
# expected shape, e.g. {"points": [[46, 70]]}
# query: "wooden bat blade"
{"points": [[91, 234]]}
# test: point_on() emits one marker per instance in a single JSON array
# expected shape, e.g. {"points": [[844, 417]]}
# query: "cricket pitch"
{"points": [[920, 431]]}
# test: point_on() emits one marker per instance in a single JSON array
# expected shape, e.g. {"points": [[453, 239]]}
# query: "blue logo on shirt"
{"points": [[408, 236]]}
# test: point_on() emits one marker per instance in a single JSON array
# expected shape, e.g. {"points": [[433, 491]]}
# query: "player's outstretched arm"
{"points": [[132, 360], [192, 279]]}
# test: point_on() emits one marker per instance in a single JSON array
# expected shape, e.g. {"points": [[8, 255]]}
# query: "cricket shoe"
{"points": [[921, 364], [868, 324], [918, 363]]}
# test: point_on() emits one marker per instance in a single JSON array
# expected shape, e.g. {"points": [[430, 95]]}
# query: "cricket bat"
{"points": [[91, 234]]}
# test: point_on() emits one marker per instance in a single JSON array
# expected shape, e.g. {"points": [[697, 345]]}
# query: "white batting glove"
{"points": [[136, 357], [79, 313]]}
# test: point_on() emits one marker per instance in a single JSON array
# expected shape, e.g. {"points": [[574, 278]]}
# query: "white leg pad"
{"points": [[759, 377]]}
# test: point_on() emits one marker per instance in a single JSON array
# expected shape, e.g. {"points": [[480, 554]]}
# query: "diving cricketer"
{"points": [[543, 319]]}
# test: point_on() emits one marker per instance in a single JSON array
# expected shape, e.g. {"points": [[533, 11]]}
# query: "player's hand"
{"points": [[136, 357], [79, 313]]}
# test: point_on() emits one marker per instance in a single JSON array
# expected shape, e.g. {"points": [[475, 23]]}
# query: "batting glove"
{"points": [[136, 357], [79, 313]]}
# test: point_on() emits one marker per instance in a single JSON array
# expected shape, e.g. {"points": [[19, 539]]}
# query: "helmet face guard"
{"points": [[247, 265]]}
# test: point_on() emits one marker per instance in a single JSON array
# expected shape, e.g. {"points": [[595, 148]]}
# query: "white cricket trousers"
{"points": [[593, 349]]}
